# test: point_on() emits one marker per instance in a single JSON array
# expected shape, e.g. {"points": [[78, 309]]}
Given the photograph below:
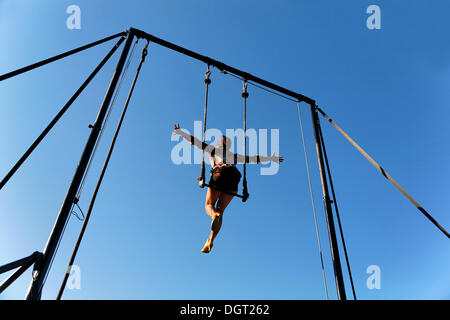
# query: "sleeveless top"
{"points": [[223, 162]]}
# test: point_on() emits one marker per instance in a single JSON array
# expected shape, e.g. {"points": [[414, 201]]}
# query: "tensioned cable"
{"points": [[77, 198], [100, 179], [385, 174], [322, 142], [271, 91], [75, 203], [312, 200], [258, 86], [106, 120], [62, 233]]}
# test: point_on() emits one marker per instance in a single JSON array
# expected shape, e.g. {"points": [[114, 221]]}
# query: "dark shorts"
{"points": [[225, 178]]}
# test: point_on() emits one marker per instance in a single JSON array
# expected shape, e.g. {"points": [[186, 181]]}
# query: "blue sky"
{"points": [[387, 88]]}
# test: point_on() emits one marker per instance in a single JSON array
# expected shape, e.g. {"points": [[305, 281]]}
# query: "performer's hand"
{"points": [[277, 159], [176, 127]]}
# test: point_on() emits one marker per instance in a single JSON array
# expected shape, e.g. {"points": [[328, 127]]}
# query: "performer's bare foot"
{"points": [[208, 246]]}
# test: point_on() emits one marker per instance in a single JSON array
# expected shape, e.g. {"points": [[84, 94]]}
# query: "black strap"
{"points": [[384, 173]]}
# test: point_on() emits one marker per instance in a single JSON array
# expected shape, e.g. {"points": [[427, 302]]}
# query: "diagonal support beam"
{"points": [[8, 281], [57, 57], [59, 115], [18, 263], [23, 265]]}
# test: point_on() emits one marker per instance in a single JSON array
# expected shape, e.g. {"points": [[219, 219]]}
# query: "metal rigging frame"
{"points": [[42, 261]]}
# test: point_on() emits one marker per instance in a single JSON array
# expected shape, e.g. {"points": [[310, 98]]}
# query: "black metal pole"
{"points": [[39, 277], [340, 286], [341, 231], [57, 57], [100, 179], [58, 116], [221, 66]]}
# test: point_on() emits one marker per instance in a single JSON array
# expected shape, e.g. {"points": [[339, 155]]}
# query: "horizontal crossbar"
{"points": [[221, 66]]}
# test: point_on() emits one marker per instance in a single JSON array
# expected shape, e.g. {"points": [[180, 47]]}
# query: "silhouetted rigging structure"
{"points": [[42, 262]]}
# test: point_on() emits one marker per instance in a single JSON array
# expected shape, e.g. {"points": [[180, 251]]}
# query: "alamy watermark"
{"points": [[257, 142], [373, 22], [374, 280], [74, 20], [74, 279]]}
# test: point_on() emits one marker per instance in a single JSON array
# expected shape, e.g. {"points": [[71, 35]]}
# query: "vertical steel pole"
{"points": [[328, 212], [40, 275], [102, 174]]}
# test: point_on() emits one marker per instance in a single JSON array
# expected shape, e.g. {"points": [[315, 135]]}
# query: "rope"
{"points": [[312, 200], [202, 183], [202, 174], [76, 213], [100, 179], [385, 174], [71, 210], [77, 198], [244, 95], [322, 142]]}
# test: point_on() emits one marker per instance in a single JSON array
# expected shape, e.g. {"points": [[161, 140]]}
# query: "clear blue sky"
{"points": [[388, 88]]}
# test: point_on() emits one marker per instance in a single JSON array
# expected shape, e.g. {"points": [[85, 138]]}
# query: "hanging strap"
{"points": [[244, 95], [201, 180], [384, 173]]}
